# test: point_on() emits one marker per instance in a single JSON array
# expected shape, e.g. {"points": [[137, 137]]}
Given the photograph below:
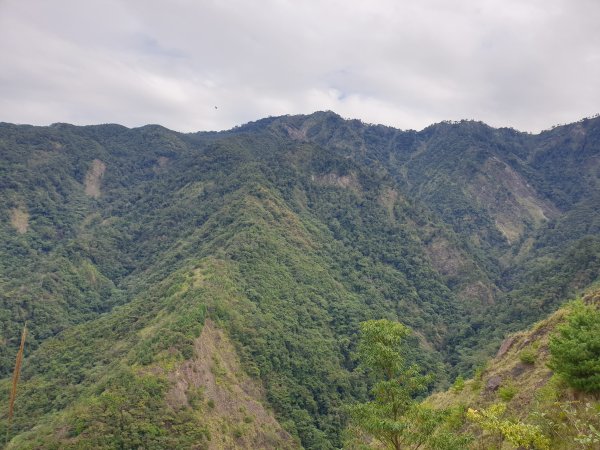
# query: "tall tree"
{"points": [[393, 416], [575, 349]]}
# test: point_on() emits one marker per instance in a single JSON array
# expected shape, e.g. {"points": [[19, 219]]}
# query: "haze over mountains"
{"points": [[161, 273]]}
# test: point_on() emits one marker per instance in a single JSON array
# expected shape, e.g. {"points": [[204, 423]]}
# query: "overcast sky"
{"points": [[527, 64]]}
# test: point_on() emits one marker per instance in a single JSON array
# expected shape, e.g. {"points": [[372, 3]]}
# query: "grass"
{"points": [[507, 392], [527, 356]]}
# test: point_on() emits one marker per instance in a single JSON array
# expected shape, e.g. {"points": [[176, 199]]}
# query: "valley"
{"points": [[205, 290]]}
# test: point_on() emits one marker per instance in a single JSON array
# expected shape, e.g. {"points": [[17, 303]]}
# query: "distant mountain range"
{"points": [[204, 290]]}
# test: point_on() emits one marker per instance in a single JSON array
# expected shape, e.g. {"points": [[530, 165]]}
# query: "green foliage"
{"points": [[72, 372], [518, 434], [477, 381], [571, 424], [528, 356], [130, 413], [575, 349], [380, 349], [567, 418], [507, 391], [394, 417], [287, 243], [459, 384]]}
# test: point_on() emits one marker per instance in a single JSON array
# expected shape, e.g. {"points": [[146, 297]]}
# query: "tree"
{"points": [[393, 416], [575, 349]]}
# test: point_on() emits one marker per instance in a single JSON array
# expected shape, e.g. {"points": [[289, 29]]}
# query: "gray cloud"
{"points": [[525, 64]]}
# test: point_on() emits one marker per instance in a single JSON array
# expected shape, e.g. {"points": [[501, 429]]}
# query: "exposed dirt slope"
{"points": [[19, 219], [94, 177], [234, 408]]}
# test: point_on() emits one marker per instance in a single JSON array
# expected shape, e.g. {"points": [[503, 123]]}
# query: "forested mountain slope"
{"points": [[119, 245]]}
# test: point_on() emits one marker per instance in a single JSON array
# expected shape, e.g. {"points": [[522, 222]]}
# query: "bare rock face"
{"points": [[506, 345], [493, 383], [93, 178], [349, 181], [518, 370], [511, 212], [232, 398]]}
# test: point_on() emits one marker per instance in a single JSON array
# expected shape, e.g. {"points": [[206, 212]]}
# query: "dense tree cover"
{"points": [[575, 349], [310, 224]]}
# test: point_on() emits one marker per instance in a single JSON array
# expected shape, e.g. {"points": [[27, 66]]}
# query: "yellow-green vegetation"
{"points": [[507, 391], [517, 434], [528, 355], [522, 402], [118, 246], [459, 384]]}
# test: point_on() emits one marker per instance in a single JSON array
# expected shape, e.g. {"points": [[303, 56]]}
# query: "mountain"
{"points": [[134, 255]]}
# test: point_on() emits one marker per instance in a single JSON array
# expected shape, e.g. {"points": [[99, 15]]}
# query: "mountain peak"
{"points": [[120, 246]]}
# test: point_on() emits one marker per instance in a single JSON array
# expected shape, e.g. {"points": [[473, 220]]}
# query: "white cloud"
{"points": [[406, 64]]}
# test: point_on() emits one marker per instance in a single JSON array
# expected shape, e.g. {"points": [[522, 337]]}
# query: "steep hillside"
{"points": [[155, 373], [519, 378], [277, 238]]}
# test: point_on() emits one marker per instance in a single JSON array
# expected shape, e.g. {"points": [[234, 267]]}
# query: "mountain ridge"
{"points": [[461, 231]]}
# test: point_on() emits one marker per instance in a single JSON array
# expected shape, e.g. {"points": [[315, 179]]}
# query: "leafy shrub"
{"points": [[527, 356], [518, 434], [507, 392], [477, 382], [459, 384]]}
